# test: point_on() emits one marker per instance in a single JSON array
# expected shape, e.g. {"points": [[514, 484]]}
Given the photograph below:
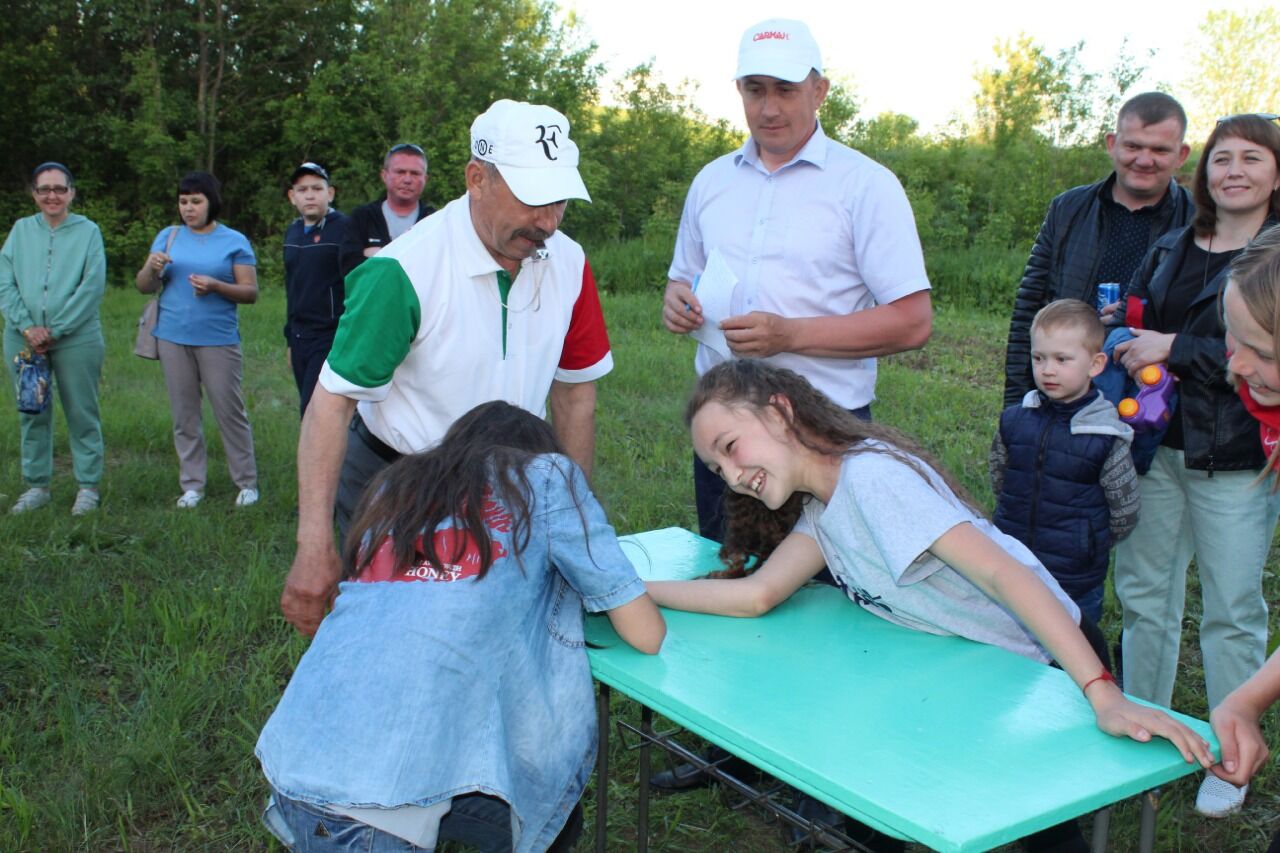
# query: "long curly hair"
{"points": [[752, 530], [483, 455]]}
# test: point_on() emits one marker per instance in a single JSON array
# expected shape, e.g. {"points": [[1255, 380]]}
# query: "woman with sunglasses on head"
{"points": [[204, 270], [53, 272], [1201, 497]]}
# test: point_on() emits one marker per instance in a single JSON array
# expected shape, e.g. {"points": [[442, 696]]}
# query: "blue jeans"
{"points": [[480, 821], [1090, 603]]}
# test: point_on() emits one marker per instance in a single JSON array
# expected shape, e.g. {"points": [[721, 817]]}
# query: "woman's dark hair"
{"points": [[819, 425], [50, 165], [1249, 127], [205, 184], [482, 457]]}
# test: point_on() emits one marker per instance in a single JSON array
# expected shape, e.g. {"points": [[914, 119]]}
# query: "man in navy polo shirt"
{"points": [[314, 294]]}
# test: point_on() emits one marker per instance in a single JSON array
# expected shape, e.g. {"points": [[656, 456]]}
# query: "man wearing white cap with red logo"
{"points": [[821, 240], [823, 244], [483, 300]]}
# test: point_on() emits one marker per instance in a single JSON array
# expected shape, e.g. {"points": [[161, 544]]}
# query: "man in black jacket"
{"points": [[1100, 232], [374, 225], [314, 293]]}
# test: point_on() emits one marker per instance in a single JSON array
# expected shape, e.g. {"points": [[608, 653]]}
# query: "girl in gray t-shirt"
{"points": [[812, 485]]}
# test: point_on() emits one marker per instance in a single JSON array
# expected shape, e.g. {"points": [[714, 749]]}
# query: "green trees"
{"points": [[1235, 70], [132, 93], [639, 157]]}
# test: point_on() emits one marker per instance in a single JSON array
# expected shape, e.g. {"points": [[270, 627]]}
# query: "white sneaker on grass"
{"points": [[247, 497], [30, 499], [190, 499], [1218, 797], [86, 502]]}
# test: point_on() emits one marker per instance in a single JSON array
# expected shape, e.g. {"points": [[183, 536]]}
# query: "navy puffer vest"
{"points": [[1052, 500]]}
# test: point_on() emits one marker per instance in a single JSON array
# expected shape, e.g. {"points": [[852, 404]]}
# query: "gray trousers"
{"points": [[217, 370], [360, 465], [1226, 521]]}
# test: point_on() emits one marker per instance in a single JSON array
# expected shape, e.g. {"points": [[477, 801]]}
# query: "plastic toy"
{"points": [[1151, 407]]}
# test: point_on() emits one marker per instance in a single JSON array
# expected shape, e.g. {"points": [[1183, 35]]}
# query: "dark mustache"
{"points": [[536, 235]]}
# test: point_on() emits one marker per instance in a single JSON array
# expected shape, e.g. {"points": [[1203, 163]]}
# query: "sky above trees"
{"points": [[918, 59]]}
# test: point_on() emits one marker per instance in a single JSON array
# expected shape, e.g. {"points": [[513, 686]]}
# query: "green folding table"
{"points": [[948, 743]]}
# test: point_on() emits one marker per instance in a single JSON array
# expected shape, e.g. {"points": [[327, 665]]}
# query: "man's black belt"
{"points": [[384, 451]]}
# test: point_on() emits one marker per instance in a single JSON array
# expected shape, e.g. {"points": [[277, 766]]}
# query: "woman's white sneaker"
{"points": [[1218, 797], [247, 497], [190, 499], [86, 502], [30, 499]]}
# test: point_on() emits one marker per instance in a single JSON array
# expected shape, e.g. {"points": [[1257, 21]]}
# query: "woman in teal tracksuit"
{"points": [[52, 275]]}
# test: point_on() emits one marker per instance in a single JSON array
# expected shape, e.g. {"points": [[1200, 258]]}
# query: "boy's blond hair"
{"points": [[1072, 314]]}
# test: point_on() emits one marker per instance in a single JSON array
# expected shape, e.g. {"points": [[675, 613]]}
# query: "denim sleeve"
{"points": [[583, 546]]}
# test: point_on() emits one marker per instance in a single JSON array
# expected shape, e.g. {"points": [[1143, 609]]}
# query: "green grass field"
{"points": [[141, 647]]}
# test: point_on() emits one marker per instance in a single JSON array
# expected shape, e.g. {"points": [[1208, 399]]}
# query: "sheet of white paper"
{"points": [[714, 290]]}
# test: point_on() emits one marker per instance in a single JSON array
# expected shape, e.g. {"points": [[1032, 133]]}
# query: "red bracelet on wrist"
{"points": [[1104, 676]]}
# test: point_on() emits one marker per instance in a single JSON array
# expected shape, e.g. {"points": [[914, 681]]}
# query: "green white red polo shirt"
{"points": [[425, 337]]}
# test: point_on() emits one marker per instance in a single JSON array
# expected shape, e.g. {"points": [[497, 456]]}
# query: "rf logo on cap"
{"points": [[547, 141]]}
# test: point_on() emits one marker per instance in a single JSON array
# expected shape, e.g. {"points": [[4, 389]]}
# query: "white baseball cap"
{"points": [[530, 145], [779, 48]]}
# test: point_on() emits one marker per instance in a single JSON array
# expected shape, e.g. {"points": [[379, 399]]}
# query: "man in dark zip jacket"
{"points": [[372, 226], [312, 276], [1100, 232]]}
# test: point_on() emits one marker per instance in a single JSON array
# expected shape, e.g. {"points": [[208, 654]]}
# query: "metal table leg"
{"points": [[1101, 829], [602, 767], [642, 808], [1147, 828]]}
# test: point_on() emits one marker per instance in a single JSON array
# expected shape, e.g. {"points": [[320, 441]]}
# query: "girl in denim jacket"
{"points": [[448, 696]]}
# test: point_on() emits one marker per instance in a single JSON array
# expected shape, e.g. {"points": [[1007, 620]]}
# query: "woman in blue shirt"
{"points": [[448, 696], [206, 270]]}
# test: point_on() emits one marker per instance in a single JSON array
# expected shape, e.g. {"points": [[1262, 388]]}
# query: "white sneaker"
{"points": [[1218, 797], [190, 499], [86, 502], [29, 500], [247, 497]]}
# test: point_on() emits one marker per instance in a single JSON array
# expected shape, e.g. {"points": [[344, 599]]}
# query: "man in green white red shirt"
{"points": [[481, 301]]}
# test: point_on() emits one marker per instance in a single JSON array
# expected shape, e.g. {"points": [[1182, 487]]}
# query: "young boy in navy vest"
{"points": [[314, 293], [1061, 471]]}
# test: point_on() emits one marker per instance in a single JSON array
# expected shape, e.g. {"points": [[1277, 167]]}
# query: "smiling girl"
{"points": [[899, 534], [1252, 312]]}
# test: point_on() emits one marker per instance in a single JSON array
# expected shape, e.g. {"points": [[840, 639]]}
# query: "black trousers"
{"points": [[306, 357]]}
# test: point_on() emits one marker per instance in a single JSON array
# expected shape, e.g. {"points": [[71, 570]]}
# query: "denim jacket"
{"points": [[417, 691]]}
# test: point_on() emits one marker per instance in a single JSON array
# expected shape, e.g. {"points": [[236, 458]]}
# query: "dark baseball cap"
{"points": [[309, 168]]}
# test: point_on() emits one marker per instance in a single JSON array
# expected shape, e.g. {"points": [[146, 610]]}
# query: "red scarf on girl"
{"points": [[1268, 417]]}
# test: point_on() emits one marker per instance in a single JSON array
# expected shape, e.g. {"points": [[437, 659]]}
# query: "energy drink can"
{"points": [[1108, 292]]}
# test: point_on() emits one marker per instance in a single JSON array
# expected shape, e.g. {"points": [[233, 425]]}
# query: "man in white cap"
{"points": [[823, 244], [484, 300], [820, 238]]}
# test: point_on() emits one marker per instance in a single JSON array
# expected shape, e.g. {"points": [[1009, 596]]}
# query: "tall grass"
{"points": [[141, 647]]}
